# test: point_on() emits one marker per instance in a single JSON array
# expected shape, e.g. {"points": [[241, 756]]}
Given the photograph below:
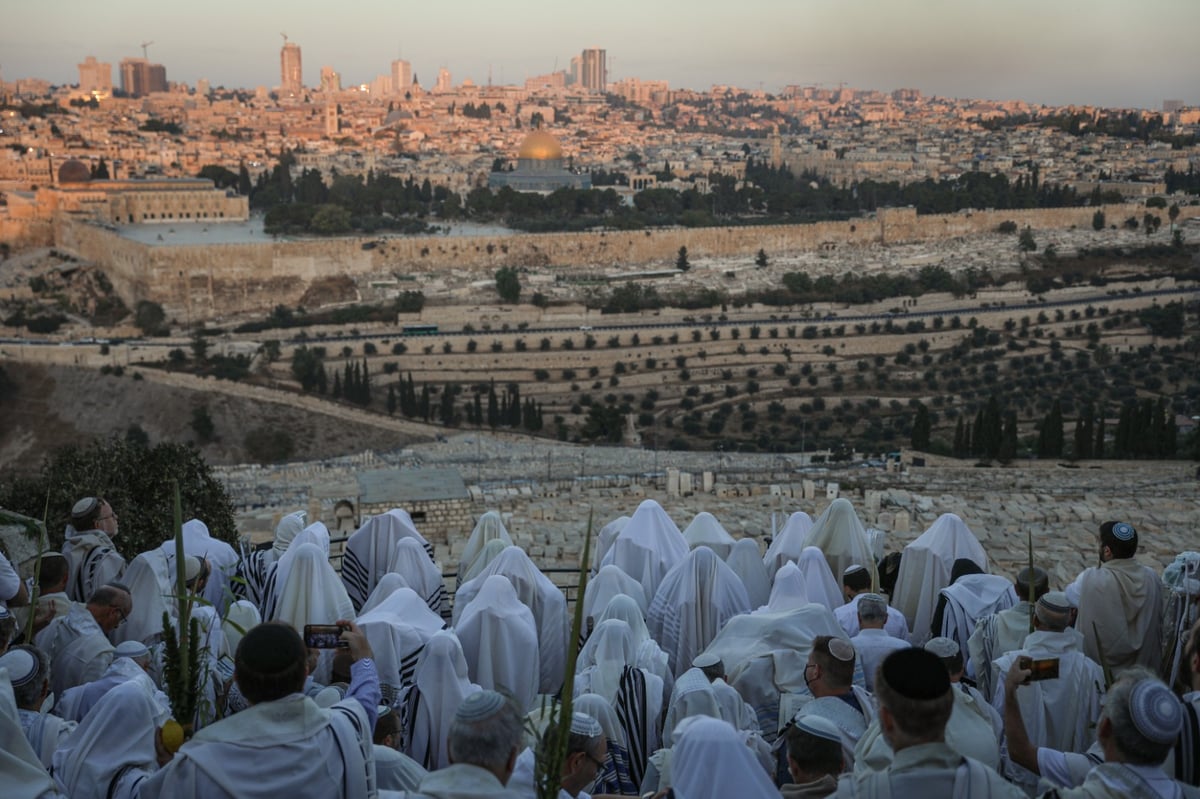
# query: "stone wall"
{"points": [[444, 519], [199, 282], [21, 234]]}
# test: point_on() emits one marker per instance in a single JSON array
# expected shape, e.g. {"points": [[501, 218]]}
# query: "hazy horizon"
{"points": [[1097, 52]]}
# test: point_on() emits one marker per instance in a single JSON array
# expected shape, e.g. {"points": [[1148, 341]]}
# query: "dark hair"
{"points": [[1122, 550], [387, 724], [838, 673], [923, 718], [954, 663], [813, 754], [857, 580], [271, 662], [1040, 580], [52, 570]]}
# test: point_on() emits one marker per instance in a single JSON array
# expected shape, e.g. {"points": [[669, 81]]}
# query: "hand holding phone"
{"points": [[324, 636], [1040, 669]]}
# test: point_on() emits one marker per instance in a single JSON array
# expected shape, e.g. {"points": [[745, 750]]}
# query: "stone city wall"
{"points": [[200, 282], [444, 519]]}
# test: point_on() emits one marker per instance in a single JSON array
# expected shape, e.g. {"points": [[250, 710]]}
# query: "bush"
{"points": [[269, 445]]}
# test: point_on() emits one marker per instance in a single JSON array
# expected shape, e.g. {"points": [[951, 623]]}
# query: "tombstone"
{"points": [[831, 491], [775, 490], [672, 482], [810, 489], [685, 484], [885, 520], [902, 523], [707, 481], [871, 499]]}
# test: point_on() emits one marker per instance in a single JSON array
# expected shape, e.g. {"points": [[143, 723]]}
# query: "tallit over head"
{"points": [[309, 591], [24, 777], [500, 641], [604, 657], [788, 542], [790, 591], [604, 539], [925, 569], [608, 583], [712, 759], [289, 526], [241, 617], [398, 629], [823, 588], [840, 535], [371, 550], [747, 563], [648, 547], [151, 585], [198, 542], [420, 574], [692, 696], [706, 531], [442, 680], [117, 734], [490, 527], [490, 551]]}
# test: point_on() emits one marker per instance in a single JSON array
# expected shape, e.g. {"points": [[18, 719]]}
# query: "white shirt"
{"points": [[10, 582], [847, 616], [872, 646]]}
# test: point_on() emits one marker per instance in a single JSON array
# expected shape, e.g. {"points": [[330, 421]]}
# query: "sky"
{"points": [[1117, 53]]}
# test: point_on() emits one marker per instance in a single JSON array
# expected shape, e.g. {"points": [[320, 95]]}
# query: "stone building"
{"points": [[539, 168], [436, 499]]}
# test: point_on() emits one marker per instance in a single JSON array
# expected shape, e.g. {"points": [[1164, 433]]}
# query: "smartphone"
{"points": [[1042, 668], [323, 636]]}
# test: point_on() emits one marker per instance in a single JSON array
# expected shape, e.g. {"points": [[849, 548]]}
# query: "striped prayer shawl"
{"points": [[254, 567], [631, 713], [1187, 749]]}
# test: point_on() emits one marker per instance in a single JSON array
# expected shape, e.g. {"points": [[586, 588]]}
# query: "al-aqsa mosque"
{"points": [[539, 168]]}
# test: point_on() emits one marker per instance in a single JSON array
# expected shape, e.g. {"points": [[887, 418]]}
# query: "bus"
{"points": [[419, 330]]}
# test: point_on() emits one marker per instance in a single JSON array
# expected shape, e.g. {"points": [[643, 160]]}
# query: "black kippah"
{"points": [[916, 674], [270, 649]]}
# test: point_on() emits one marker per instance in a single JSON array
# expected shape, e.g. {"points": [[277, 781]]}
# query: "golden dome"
{"points": [[540, 146]]}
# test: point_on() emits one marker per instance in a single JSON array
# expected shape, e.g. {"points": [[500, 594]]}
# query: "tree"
{"points": [[269, 445], [921, 429], [681, 262], [508, 284], [391, 399], [1173, 213], [199, 347], [150, 318], [202, 424], [1026, 242], [1050, 436], [329, 220], [760, 260], [1085, 432], [308, 367], [1098, 221]]}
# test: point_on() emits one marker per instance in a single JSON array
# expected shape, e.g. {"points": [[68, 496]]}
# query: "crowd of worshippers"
{"points": [[705, 667]]}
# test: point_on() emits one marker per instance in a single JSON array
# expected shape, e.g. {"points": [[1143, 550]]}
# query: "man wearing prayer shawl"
{"points": [[394, 770], [614, 777], [747, 564], [421, 574], [500, 642], [925, 570], [788, 543], [915, 703], [398, 629], [840, 535], [856, 582], [693, 603], [24, 777], [829, 677], [586, 754], [1120, 603], [490, 527], [969, 598], [706, 531], [370, 551], [255, 563], [131, 661], [872, 642], [77, 643], [814, 758], [647, 547], [711, 759], [440, 684], [1005, 631], [29, 670], [94, 559], [284, 744], [222, 560]]}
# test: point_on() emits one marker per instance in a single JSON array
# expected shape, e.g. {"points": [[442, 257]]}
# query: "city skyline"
{"points": [[1100, 52]]}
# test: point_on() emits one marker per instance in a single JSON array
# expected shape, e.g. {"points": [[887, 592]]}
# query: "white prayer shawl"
{"points": [[441, 683], [608, 583], [396, 771], [852, 724], [317, 535], [151, 581], [328, 754], [604, 658], [788, 542], [544, 600], [1059, 714], [239, 619], [92, 560], [491, 550], [734, 709], [746, 562], [309, 590], [78, 701], [693, 603], [647, 547], [925, 570], [223, 559], [872, 647], [970, 599], [490, 527], [604, 539], [847, 616], [421, 575], [712, 759], [398, 629], [992, 637], [650, 656], [111, 748], [823, 587], [288, 528], [602, 711], [24, 776], [1122, 601], [500, 641], [372, 548], [841, 537], [706, 531], [616, 777], [693, 696], [45, 732], [387, 585], [79, 651], [789, 591]]}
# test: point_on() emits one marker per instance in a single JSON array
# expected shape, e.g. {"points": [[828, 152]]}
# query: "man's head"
{"points": [[586, 752], [110, 605], [486, 732], [710, 665], [195, 573], [1140, 721], [387, 728], [947, 650], [94, 513], [1052, 612], [872, 611], [29, 669], [962, 567], [8, 629], [814, 749], [1038, 578], [52, 573], [855, 580], [1118, 541], [135, 651], [271, 663], [915, 699], [830, 669]]}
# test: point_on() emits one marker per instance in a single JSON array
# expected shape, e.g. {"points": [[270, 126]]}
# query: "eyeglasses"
{"points": [[106, 518], [124, 616], [598, 763]]}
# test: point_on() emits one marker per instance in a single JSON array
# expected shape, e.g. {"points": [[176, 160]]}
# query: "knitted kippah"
{"points": [[915, 674], [21, 664], [818, 726], [131, 649], [583, 724], [480, 705], [852, 568], [1055, 602], [705, 660], [1123, 531], [841, 649], [942, 647], [1155, 711], [84, 506]]}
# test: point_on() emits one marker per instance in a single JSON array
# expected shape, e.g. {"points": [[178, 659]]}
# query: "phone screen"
{"points": [[323, 636]]}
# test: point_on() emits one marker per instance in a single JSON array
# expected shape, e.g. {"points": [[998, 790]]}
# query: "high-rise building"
{"points": [[401, 76], [574, 75], [291, 75], [331, 119], [95, 77], [443, 81], [593, 72], [331, 81], [139, 77]]}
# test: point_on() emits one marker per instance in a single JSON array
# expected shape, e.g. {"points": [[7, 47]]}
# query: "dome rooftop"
{"points": [[540, 146], [74, 171]]}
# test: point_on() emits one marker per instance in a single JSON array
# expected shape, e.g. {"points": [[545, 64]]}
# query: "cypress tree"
{"points": [[391, 399], [958, 438], [1098, 447], [921, 428]]}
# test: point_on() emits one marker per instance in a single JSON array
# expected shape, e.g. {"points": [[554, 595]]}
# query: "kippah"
{"points": [[1055, 602], [852, 568], [270, 648], [818, 726], [706, 660], [84, 506], [131, 649], [872, 598], [480, 705], [942, 647], [328, 697], [21, 664], [191, 567], [1155, 711], [4, 614], [583, 724], [1123, 531], [915, 674], [841, 649]]}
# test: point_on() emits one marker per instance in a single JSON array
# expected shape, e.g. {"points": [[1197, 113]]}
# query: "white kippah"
{"points": [[328, 697], [21, 664], [841, 649], [84, 506], [818, 726], [583, 724], [191, 567], [4, 614], [873, 598], [852, 568], [131, 649], [1055, 602], [480, 705], [1155, 711], [705, 660], [942, 647]]}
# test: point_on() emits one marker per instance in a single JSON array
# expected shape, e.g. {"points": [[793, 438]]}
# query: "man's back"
{"points": [[1120, 610], [933, 770]]}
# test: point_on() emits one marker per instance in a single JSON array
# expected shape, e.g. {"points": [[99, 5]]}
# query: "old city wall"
{"points": [[211, 280]]}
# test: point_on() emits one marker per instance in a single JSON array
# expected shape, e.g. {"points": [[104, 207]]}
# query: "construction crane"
{"points": [[145, 52], [284, 35]]}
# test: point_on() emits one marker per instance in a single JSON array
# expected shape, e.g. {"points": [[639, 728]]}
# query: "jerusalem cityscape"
{"points": [[909, 285]]}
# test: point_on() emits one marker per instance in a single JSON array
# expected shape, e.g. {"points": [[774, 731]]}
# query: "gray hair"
{"points": [[28, 695], [872, 609], [1134, 747], [489, 741]]}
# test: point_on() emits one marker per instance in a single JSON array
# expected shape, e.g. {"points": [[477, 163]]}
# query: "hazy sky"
{"points": [[1104, 52]]}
